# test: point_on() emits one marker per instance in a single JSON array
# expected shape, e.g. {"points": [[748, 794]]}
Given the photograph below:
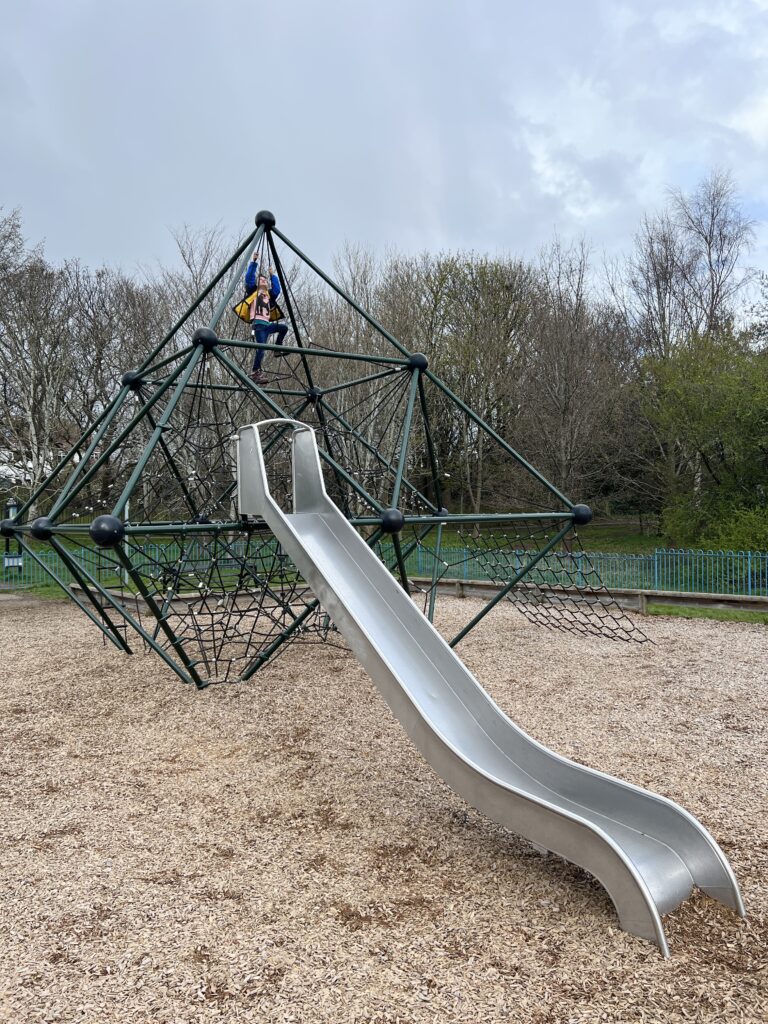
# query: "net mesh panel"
{"points": [[560, 589], [228, 600], [228, 597]]}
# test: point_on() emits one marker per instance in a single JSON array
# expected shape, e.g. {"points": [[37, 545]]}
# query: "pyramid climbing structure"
{"points": [[150, 489]]}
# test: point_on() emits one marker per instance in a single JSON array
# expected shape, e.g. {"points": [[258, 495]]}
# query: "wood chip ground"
{"points": [[278, 851]]}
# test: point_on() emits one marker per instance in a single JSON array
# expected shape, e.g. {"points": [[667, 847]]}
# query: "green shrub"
{"points": [[716, 527], [738, 529]]}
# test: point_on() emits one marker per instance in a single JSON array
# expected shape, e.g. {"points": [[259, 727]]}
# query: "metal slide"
{"points": [[645, 850]]}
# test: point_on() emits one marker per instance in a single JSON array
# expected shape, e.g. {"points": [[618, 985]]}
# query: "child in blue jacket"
{"points": [[264, 300]]}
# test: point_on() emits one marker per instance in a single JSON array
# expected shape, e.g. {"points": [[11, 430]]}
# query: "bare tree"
{"points": [[682, 283], [685, 273], [36, 364], [652, 295], [577, 373], [716, 236]]}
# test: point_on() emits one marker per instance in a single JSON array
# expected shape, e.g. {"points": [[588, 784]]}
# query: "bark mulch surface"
{"points": [[278, 851]]}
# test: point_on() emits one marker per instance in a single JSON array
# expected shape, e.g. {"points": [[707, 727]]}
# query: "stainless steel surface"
{"points": [[647, 851]]}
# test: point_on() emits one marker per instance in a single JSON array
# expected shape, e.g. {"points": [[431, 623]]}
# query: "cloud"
{"points": [[431, 125]]}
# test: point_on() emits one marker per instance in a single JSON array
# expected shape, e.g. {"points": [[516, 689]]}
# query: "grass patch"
{"points": [[720, 614], [46, 591], [617, 538], [624, 539]]}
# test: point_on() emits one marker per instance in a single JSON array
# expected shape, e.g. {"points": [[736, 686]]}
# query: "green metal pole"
{"points": [[115, 444], [72, 451], [187, 371], [436, 562], [251, 240], [171, 528], [118, 641], [374, 451], [401, 555], [304, 362], [480, 517], [175, 641], [72, 480], [340, 291], [224, 304], [289, 392], [512, 583], [430, 448], [359, 380], [82, 576], [146, 373], [174, 468], [405, 437], [67, 528], [497, 437], [140, 630], [289, 307], [174, 526], [234, 368], [321, 353], [401, 563]]}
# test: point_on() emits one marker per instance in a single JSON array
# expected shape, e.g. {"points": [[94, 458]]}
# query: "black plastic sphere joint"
{"points": [[206, 337], [314, 395], [42, 528], [418, 361], [582, 514], [106, 531], [392, 520], [132, 379], [265, 217], [7, 528]]}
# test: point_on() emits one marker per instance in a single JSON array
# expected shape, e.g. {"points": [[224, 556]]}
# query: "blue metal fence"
{"points": [[741, 573]]}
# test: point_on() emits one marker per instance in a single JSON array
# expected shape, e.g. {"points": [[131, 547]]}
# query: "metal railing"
{"points": [[737, 573]]}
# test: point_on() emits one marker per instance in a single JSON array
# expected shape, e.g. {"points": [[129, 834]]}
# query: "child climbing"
{"points": [[264, 313]]}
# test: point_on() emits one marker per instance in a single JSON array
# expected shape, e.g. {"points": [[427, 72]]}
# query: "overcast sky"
{"points": [[427, 124]]}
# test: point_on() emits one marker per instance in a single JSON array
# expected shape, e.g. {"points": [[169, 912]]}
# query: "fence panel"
{"points": [[737, 573]]}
